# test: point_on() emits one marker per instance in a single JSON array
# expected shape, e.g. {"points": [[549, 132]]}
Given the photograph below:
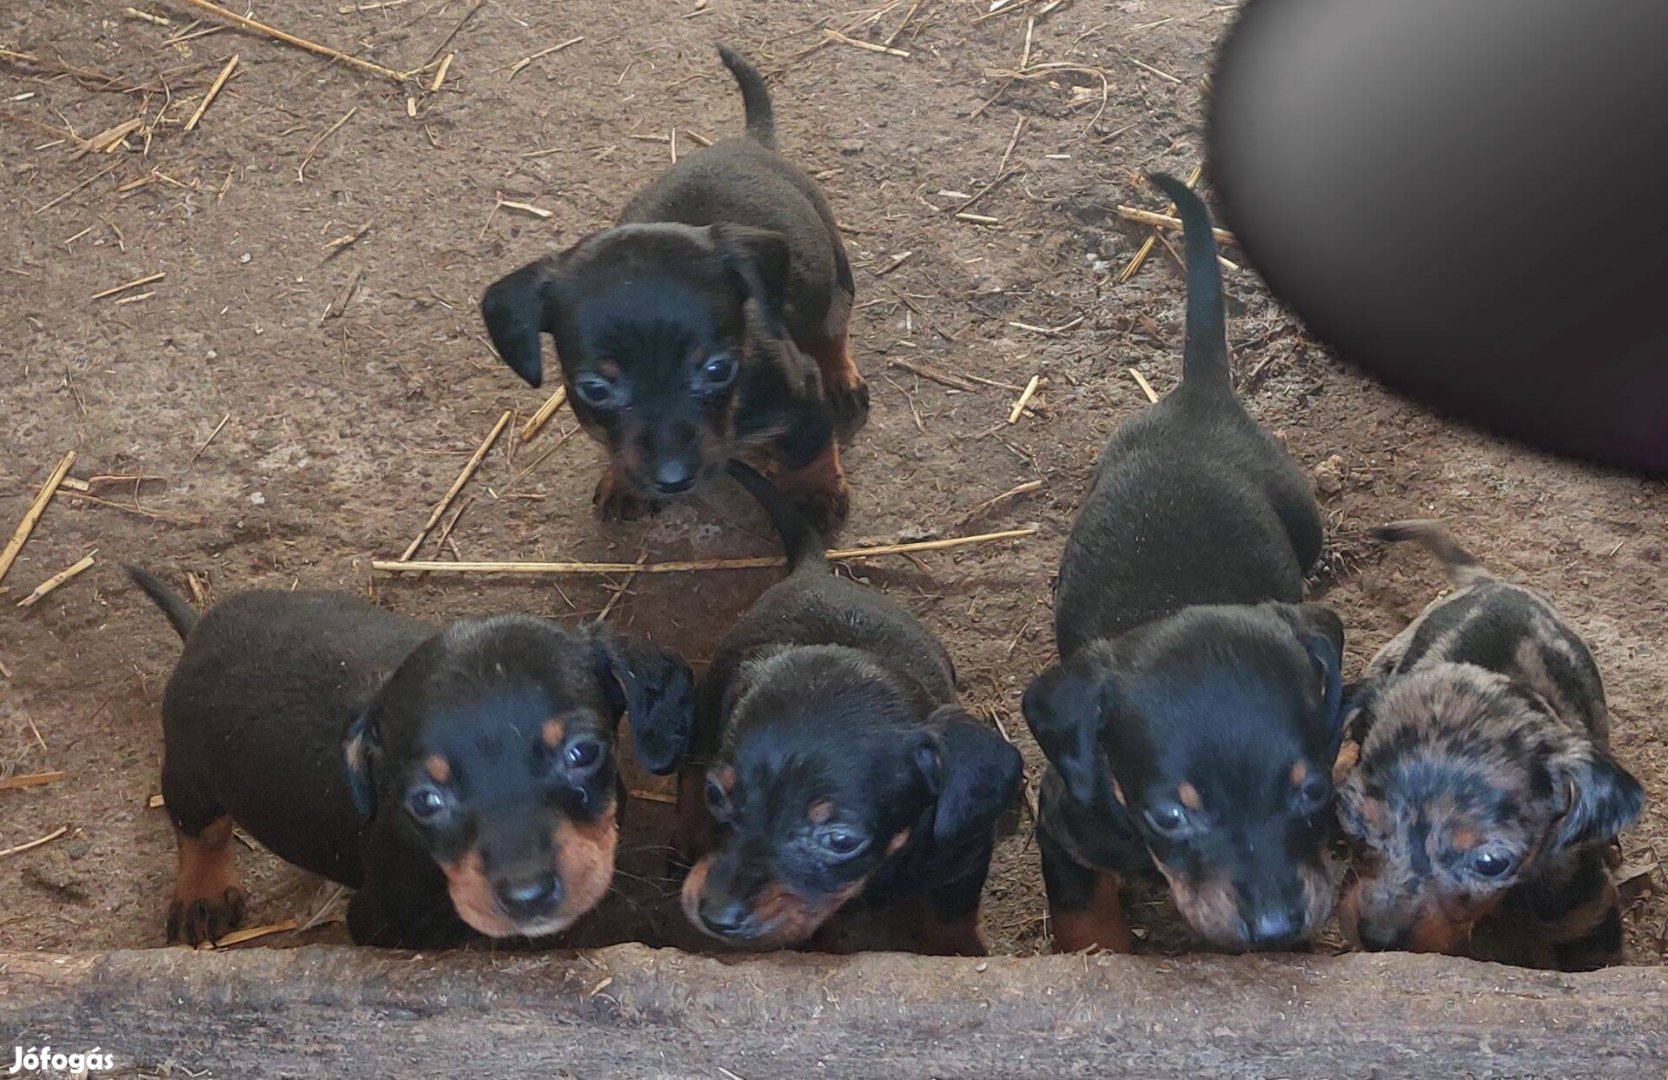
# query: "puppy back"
{"points": [[755, 97]]}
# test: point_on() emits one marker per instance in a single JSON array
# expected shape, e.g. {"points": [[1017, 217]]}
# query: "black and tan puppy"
{"points": [[712, 317], [1485, 791], [1194, 718], [839, 769], [459, 778]]}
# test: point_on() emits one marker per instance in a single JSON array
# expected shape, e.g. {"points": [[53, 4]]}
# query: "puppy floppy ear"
{"points": [[757, 260], [1603, 798], [656, 689], [973, 771], [1321, 633], [515, 309], [361, 756], [1064, 710]]}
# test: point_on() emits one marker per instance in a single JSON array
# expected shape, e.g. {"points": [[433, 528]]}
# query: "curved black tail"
{"points": [[799, 537], [180, 613], [1205, 356], [755, 97]]}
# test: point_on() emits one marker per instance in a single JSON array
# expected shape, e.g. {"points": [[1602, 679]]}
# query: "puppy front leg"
{"points": [[1084, 908], [812, 475], [946, 918]]}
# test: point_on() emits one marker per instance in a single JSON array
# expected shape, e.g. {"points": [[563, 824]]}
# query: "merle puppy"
{"points": [[1485, 795], [460, 777], [1193, 719], [839, 769], [712, 317]]}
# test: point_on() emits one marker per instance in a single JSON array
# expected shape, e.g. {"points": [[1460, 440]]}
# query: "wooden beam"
{"points": [[629, 1010]]}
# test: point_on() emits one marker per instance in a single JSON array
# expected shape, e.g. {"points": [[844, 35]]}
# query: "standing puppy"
{"points": [[460, 777], [1485, 790], [1194, 717], [841, 768], [713, 316]]}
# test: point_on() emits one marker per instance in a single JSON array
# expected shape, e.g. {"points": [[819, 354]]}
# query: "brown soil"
{"points": [[329, 434]]}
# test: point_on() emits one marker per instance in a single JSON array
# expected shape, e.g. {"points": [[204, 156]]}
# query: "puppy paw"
{"points": [[826, 508], [196, 919], [615, 502], [850, 406]]}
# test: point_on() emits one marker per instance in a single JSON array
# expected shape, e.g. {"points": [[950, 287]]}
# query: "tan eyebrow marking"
{"points": [[438, 768], [1188, 795]]}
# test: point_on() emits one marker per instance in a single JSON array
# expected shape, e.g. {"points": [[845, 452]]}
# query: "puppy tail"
{"points": [[1205, 356], [799, 537], [180, 613], [755, 97], [1463, 567]]}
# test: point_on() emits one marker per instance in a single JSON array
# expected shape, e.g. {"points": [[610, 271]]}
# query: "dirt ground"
{"points": [[302, 405]]}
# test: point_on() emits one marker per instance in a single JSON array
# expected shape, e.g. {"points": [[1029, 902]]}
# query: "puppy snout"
{"points": [[1385, 938], [723, 918], [529, 896], [673, 475], [1275, 928]]}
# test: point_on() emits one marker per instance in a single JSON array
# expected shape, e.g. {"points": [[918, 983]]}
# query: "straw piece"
{"points": [[301, 172], [457, 486], [440, 76], [213, 92], [43, 209], [47, 839], [57, 579], [546, 411], [290, 39], [154, 803], [517, 67], [40, 779], [1165, 221], [134, 284], [33, 514], [761, 562], [1024, 399], [1146, 387], [927, 371], [834, 35], [238, 937]]}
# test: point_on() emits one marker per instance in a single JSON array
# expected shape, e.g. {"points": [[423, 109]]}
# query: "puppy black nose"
{"points": [[1275, 928], [723, 919], [673, 476], [529, 897]]}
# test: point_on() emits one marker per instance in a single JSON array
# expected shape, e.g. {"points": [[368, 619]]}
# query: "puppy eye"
{"points": [[1314, 793], [718, 800], [1168, 819], [596, 391], [1491, 863], [842, 842], [426, 803], [718, 372], [582, 754]]}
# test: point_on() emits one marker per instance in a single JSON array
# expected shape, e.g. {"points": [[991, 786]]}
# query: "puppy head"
{"points": [[491, 748], [651, 328], [1467, 784], [832, 777], [1214, 731]]}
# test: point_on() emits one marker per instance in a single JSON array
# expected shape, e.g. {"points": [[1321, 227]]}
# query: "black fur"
{"points": [[828, 692], [309, 718], [1176, 667], [732, 254]]}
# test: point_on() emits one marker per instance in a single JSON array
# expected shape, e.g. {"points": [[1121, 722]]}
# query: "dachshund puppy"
{"points": [[840, 770], [1485, 791], [1193, 719], [712, 317], [460, 778]]}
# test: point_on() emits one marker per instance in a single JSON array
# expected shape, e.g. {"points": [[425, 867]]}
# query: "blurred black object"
{"points": [[1469, 198]]}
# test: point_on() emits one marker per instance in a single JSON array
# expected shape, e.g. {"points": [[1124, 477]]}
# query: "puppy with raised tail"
{"points": [[838, 768], [711, 318], [1193, 719], [460, 778], [1485, 796]]}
